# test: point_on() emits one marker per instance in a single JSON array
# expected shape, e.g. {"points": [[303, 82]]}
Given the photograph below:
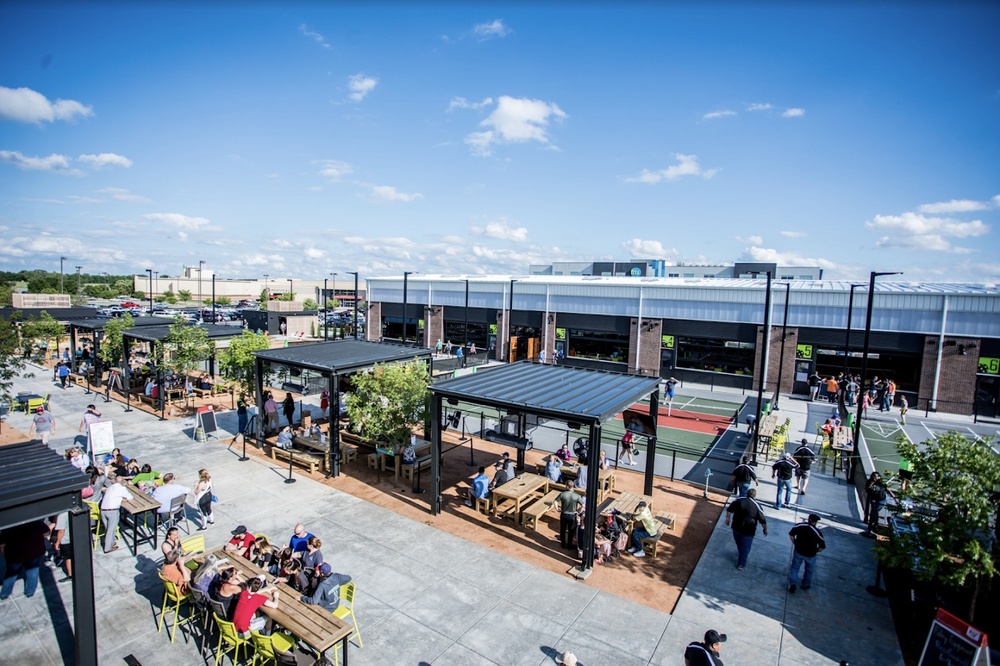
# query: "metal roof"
{"points": [[36, 482], [159, 333], [98, 323], [569, 394], [342, 356]]}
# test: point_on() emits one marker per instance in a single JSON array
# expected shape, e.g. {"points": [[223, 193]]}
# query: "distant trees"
{"points": [[310, 305], [44, 329], [112, 346], [237, 361], [184, 294]]}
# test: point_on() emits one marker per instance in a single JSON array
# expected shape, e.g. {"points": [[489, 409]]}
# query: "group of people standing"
{"points": [[846, 388]]}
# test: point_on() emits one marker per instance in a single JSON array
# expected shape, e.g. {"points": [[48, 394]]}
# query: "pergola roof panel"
{"points": [[340, 357]]}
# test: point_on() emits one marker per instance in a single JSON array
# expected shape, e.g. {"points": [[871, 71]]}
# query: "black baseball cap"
{"points": [[712, 637], [240, 530]]}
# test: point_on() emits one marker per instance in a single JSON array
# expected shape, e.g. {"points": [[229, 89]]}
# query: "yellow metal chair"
{"points": [[194, 544], [265, 646], [229, 641], [346, 608], [95, 515], [35, 403], [173, 595], [47, 396]]}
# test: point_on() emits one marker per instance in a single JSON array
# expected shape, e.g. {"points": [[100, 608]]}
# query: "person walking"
{"points": [[904, 407], [44, 424], [807, 542], [24, 551], [570, 502], [742, 477], [63, 371], [203, 498], [744, 515], [783, 470], [804, 458], [707, 653], [271, 412], [242, 414], [288, 407]]}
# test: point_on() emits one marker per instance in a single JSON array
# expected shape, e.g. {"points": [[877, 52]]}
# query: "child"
{"points": [[903, 408]]}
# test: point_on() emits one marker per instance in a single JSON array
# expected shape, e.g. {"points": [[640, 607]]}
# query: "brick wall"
{"points": [[774, 360], [433, 325], [957, 382], [373, 327]]}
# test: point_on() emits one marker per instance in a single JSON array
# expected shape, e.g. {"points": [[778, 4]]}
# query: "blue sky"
{"points": [[305, 139]]}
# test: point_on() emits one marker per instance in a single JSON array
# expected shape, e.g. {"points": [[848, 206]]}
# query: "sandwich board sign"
{"points": [[101, 439], [953, 642], [206, 419]]}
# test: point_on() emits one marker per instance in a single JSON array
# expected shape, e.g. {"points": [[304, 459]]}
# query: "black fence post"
{"points": [[291, 457], [673, 464]]}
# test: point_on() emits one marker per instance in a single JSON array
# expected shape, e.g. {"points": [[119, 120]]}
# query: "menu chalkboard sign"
{"points": [[952, 642], [206, 417]]}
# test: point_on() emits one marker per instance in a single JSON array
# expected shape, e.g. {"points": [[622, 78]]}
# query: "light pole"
{"points": [[355, 274], [214, 320], [864, 368], [156, 281], [763, 365], [201, 297], [267, 288], [465, 331], [847, 338], [781, 359], [150, 271], [510, 319], [61, 260], [291, 293], [406, 276], [78, 280]]}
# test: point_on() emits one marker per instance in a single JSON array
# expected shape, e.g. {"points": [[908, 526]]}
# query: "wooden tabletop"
{"points": [[313, 625], [311, 443], [519, 487], [572, 471], [140, 502], [628, 502], [841, 439]]}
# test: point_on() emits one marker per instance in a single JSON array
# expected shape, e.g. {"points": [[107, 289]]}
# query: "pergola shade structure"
{"points": [[579, 396], [95, 326], [54, 487], [331, 361]]}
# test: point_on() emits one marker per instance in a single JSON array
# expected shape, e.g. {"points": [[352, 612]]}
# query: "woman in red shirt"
{"points": [[245, 616]]}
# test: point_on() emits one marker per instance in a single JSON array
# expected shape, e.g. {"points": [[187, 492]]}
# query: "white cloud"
{"points": [[793, 234], [793, 113], [25, 105], [314, 253], [954, 206], [55, 163], [121, 194], [769, 255], [389, 193], [687, 165], [492, 29], [759, 107], [178, 220], [315, 36], [502, 231], [648, 249], [515, 120], [914, 224], [718, 114], [927, 242], [334, 169], [751, 240], [182, 235], [462, 103], [105, 159], [360, 85]]}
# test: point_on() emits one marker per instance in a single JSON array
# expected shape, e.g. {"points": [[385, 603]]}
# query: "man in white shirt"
{"points": [[166, 493], [111, 506]]}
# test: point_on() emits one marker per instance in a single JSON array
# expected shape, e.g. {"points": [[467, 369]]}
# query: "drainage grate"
{"points": [[132, 661]]}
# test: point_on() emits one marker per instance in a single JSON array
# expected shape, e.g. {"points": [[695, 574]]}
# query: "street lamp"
{"points": [[355, 274], [61, 260], [510, 318], [201, 298], [406, 275], [291, 293], [781, 359], [150, 271], [763, 367], [465, 331], [864, 368], [850, 312], [78, 280], [267, 287]]}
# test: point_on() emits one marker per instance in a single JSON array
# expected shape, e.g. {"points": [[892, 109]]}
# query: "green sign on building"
{"points": [[804, 351], [989, 365], [560, 334], [667, 341]]}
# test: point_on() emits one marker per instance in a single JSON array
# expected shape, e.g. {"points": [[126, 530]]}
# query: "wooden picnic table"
{"points": [[765, 433], [313, 625], [135, 513], [420, 449], [519, 489], [628, 502], [842, 445], [606, 477]]}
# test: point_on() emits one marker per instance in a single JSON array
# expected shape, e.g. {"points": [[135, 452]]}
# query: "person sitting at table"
{"points": [[553, 469], [410, 453], [645, 528], [265, 553], [254, 595], [208, 573], [289, 572], [310, 564], [242, 543], [602, 461], [114, 455], [827, 429], [480, 488], [300, 539], [172, 543], [581, 475], [97, 482], [279, 560], [122, 469], [500, 477], [285, 438], [327, 594], [167, 493], [76, 458], [148, 388], [564, 453], [508, 465], [173, 569], [226, 590]]}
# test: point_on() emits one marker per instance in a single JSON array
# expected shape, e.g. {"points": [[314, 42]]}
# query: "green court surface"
{"points": [[881, 438]]}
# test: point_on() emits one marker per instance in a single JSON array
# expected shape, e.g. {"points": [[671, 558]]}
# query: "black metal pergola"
{"points": [[95, 326], [576, 396], [332, 361], [35, 483]]}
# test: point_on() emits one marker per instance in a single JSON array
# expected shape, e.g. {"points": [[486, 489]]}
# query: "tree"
{"points": [[43, 329], [184, 294], [238, 363], [139, 294], [122, 286], [112, 346], [185, 348], [388, 400], [223, 301], [954, 486], [309, 305], [11, 360], [265, 296]]}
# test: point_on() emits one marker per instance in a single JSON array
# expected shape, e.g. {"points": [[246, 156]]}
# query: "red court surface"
{"points": [[680, 419]]}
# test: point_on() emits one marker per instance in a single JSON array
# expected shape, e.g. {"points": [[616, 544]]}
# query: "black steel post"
{"points": [[590, 500], [214, 319], [406, 277], [326, 311], [465, 330], [763, 367], [850, 314], [510, 321], [654, 412], [781, 360], [84, 611], [150, 271], [435, 501], [355, 273]]}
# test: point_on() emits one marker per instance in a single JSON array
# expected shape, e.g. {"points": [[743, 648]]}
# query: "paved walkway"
{"points": [[427, 597]]}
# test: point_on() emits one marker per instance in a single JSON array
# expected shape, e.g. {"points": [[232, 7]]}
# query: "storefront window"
{"points": [[728, 356], [599, 345]]}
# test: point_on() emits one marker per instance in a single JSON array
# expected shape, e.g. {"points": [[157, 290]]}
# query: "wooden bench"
{"points": [[531, 513], [349, 452], [79, 380], [424, 462], [665, 521], [310, 461]]}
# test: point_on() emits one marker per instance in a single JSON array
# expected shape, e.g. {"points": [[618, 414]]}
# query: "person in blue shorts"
{"points": [[671, 384]]}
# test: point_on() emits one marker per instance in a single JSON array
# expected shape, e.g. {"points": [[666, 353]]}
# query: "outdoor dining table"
{"points": [[313, 625], [606, 477], [420, 449], [519, 489], [628, 502], [135, 514], [24, 399], [842, 445]]}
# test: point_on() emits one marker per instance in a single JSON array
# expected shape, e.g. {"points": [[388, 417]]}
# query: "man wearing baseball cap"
{"points": [[808, 541], [242, 543], [327, 592], [44, 424], [707, 653]]}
